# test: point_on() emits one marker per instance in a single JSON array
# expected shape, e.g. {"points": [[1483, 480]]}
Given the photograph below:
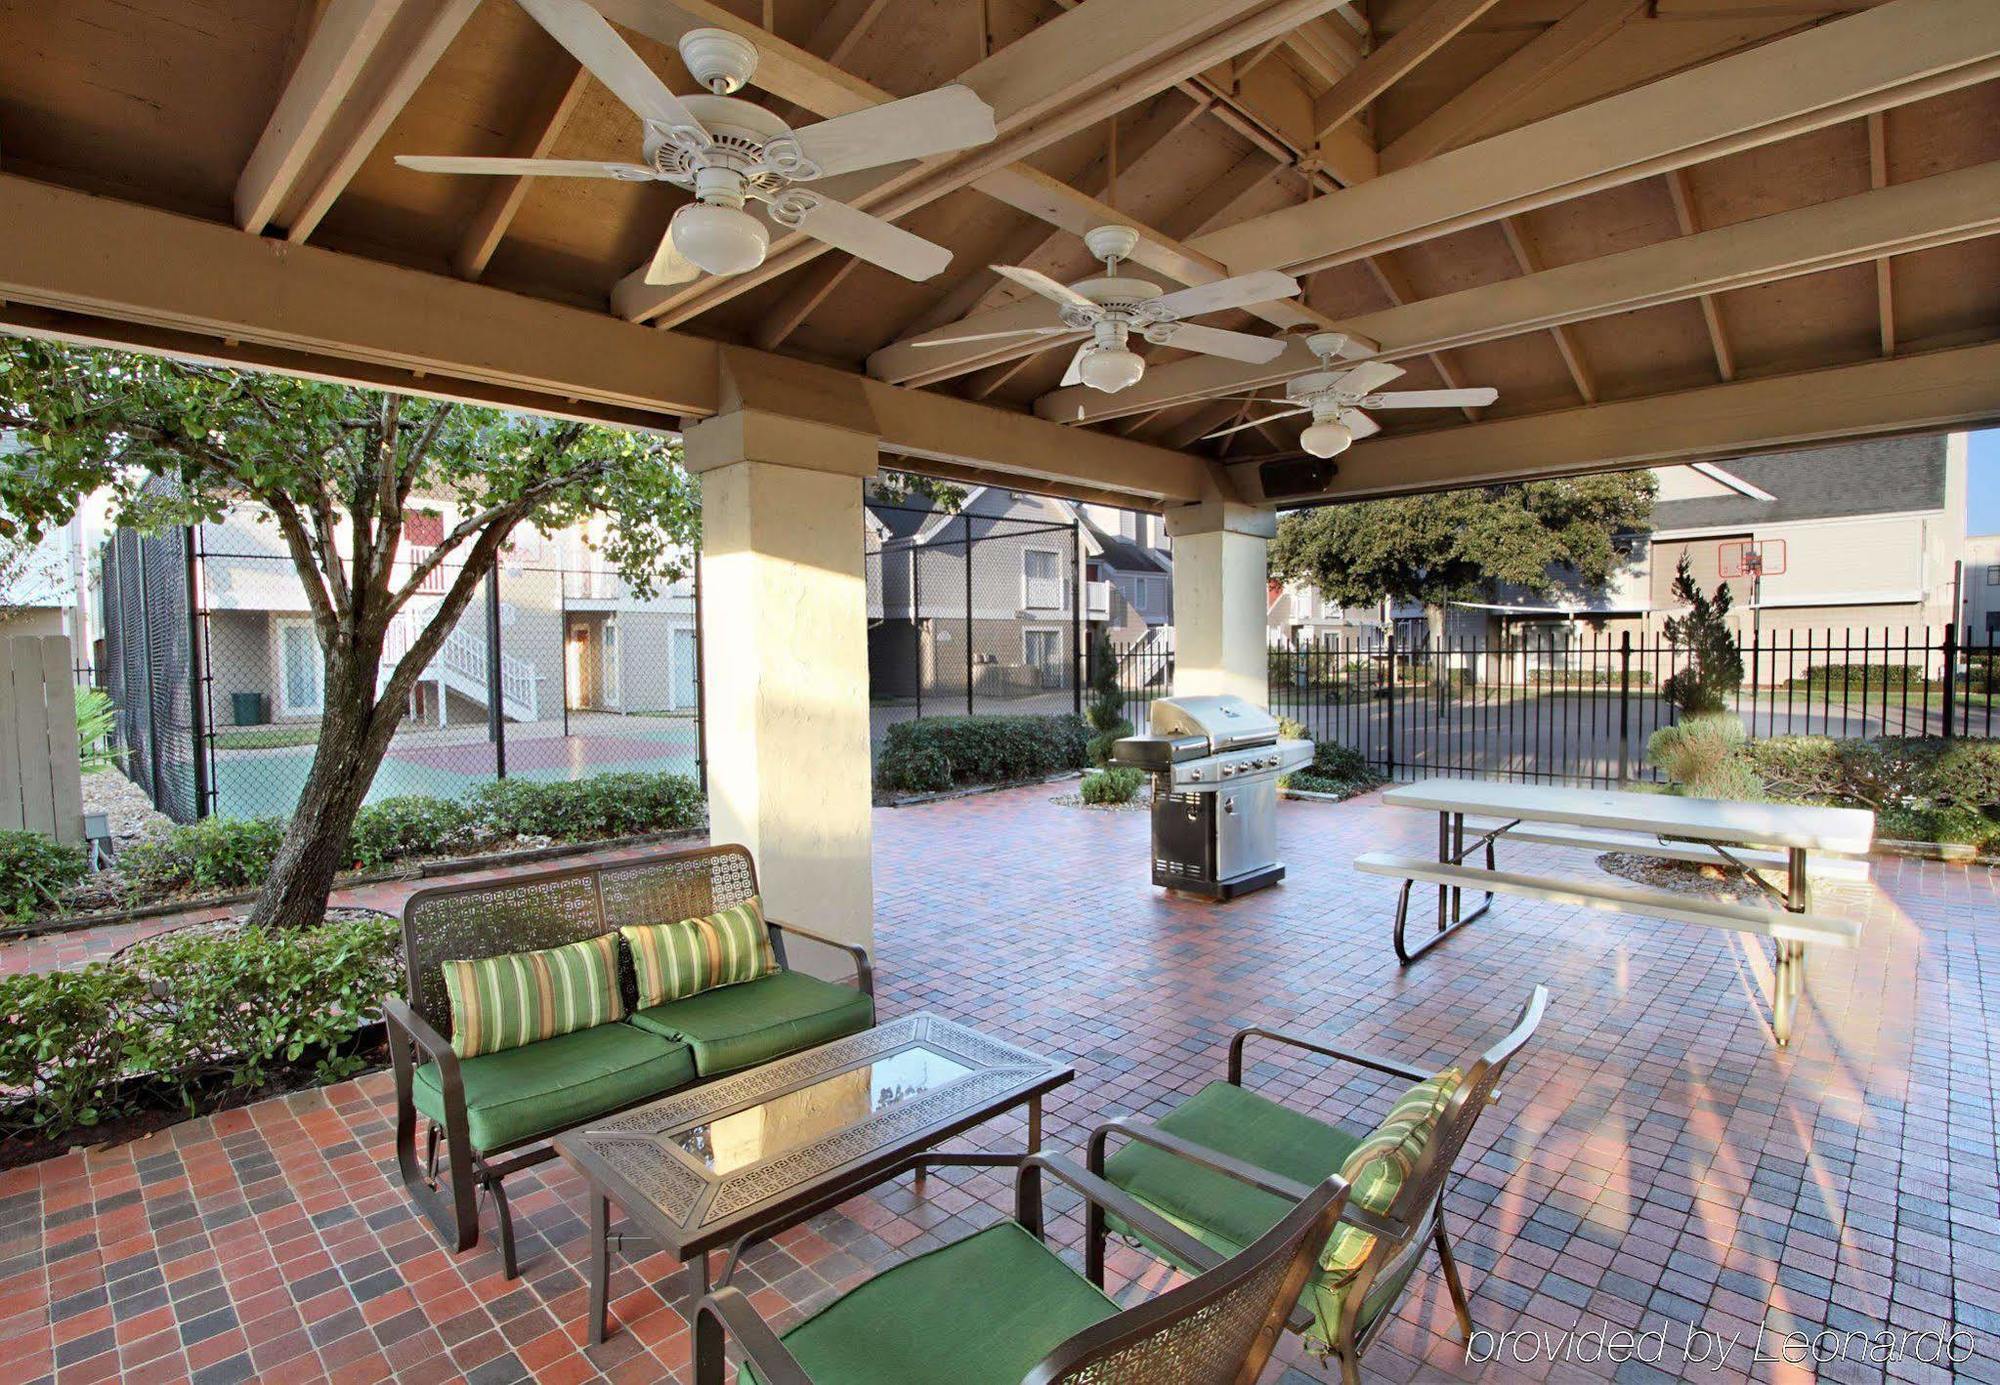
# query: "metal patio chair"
{"points": [[1227, 1163], [1001, 1308]]}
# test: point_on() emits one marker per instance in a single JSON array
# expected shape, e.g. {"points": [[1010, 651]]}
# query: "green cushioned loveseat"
{"points": [[490, 1115]]}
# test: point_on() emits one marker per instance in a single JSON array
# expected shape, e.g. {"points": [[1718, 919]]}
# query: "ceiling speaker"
{"points": [[1286, 478]]}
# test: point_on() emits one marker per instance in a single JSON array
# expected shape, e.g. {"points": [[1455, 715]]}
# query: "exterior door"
{"points": [[301, 671], [610, 672]]}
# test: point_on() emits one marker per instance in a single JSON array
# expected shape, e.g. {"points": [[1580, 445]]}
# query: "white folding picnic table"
{"points": [[1743, 837]]}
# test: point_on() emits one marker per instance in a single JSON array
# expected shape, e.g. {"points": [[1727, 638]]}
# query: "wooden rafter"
{"points": [[1394, 60], [1529, 261], [1555, 48], [1396, 285], [539, 130], [1878, 177], [1682, 193], [1945, 208]]}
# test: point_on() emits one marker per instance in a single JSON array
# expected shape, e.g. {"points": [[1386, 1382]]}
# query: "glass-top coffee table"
{"points": [[736, 1160]]}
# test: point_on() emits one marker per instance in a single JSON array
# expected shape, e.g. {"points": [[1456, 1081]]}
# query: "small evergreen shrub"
{"points": [[946, 752], [1714, 659], [604, 805], [34, 871], [1117, 785], [211, 854], [1698, 754], [410, 825], [1098, 752]]}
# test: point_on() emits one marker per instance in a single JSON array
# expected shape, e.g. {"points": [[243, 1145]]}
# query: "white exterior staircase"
{"points": [[460, 666]]}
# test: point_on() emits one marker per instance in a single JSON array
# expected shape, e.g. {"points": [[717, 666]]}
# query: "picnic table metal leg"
{"points": [[1450, 898], [600, 1267], [1788, 979]]}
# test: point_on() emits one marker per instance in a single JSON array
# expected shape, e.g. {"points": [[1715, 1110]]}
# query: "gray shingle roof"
{"points": [[1878, 476]]}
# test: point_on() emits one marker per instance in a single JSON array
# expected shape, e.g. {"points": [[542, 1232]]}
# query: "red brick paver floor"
{"points": [[1655, 1163]]}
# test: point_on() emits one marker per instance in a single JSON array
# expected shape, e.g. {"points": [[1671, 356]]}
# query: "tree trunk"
{"points": [[353, 738]]}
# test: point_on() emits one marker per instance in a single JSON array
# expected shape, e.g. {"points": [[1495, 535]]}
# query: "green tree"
{"points": [[1714, 659], [1459, 545], [336, 470]]}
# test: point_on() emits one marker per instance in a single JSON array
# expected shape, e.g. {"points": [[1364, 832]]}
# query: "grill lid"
{"points": [[1226, 722]]}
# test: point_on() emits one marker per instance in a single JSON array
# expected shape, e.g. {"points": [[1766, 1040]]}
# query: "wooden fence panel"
{"points": [[41, 776]]}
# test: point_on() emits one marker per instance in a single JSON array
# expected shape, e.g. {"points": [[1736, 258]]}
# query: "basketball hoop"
{"points": [[1750, 558]]}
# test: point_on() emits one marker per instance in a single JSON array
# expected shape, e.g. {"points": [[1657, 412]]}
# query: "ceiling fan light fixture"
{"points": [[722, 240], [1328, 439], [1112, 369]]}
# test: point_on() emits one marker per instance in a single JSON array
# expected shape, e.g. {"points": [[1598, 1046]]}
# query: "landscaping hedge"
{"points": [[34, 871], [941, 753], [183, 1019], [1119, 784]]}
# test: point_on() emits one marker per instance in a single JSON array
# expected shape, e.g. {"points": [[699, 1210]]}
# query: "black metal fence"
{"points": [[558, 672], [972, 614], [1579, 706]]}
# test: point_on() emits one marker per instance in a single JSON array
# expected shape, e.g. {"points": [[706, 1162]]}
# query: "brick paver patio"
{"points": [[1654, 1164]]}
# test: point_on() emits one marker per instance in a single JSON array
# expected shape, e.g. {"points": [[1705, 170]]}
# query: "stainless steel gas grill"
{"points": [[1215, 763]]}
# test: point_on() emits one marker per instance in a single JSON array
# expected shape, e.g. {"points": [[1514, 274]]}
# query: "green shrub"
{"points": [[1714, 660], [1956, 826], [604, 805], [1696, 755], [1106, 708], [212, 854], [410, 825], [1335, 769], [1858, 677], [1968, 776], [182, 1016], [34, 871], [96, 718], [1098, 751], [1117, 785], [945, 752]]}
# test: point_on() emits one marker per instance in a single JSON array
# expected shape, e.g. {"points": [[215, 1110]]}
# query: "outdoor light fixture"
{"points": [[721, 239], [1112, 369], [1327, 439]]}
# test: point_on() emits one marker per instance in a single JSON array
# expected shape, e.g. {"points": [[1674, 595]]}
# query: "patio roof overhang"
{"points": [[1685, 229]]}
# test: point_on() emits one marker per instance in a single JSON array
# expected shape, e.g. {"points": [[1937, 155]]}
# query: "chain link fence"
{"points": [[971, 615], [551, 673]]}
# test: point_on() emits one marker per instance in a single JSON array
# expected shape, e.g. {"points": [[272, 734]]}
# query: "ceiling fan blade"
{"points": [[588, 35], [1262, 287], [1044, 285], [1074, 374], [865, 237], [1367, 377], [1237, 346], [1358, 423], [995, 336], [1433, 399], [669, 266], [952, 117], [515, 168], [1252, 423]]}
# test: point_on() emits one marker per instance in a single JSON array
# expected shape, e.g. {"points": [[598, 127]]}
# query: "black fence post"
{"points": [[1389, 732], [158, 784], [496, 715], [1624, 705], [197, 676], [1951, 675], [966, 520]]}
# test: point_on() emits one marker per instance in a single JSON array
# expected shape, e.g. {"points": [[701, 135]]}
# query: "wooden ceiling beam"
{"points": [[1440, 22], [538, 132], [1878, 177], [1555, 48], [1396, 286], [341, 43], [1681, 191], [1901, 51], [1064, 76], [1919, 393], [152, 280], [416, 39], [1945, 208], [1529, 262]]}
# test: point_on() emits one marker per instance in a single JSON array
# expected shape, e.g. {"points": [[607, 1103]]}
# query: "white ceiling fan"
{"points": [[1112, 308], [728, 151], [1335, 396]]}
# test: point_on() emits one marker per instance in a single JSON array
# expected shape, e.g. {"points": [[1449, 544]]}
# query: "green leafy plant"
{"points": [[410, 825], [96, 718], [944, 752], [1698, 756], [1098, 751], [212, 854], [1105, 710], [67, 1039], [604, 805], [1108, 786], [1715, 661], [34, 871], [1335, 769]]}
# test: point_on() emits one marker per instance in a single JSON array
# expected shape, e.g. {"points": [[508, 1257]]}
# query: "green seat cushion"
{"points": [[740, 1026], [553, 1084], [984, 1309], [1226, 1215]]}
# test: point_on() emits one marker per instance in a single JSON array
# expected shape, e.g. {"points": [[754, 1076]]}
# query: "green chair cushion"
{"points": [[984, 1309], [552, 1084], [1227, 1216], [740, 1026]]}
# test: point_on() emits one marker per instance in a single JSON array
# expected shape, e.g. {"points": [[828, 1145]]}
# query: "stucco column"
{"points": [[1220, 599], [785, 661]]}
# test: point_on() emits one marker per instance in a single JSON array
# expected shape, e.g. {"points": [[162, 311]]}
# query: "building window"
{"points": [[1993, 575], [1041, 579], [301, 672], [1042, 650]]}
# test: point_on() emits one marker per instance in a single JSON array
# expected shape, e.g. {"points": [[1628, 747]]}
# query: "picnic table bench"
{"points": [[1745, 838]]}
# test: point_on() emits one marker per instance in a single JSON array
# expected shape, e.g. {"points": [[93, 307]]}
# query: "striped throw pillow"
{"points": [[677, 960], [1379, 1166], [518, 998]]}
